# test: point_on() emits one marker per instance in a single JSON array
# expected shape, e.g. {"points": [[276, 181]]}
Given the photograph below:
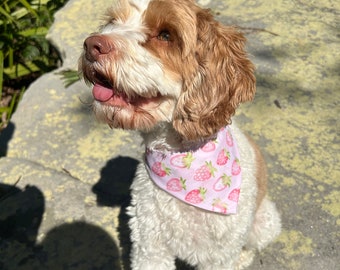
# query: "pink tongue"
{"points": [[102, 93]]}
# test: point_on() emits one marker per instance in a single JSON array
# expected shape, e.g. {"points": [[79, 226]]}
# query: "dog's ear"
{"points": [[224, 78]]}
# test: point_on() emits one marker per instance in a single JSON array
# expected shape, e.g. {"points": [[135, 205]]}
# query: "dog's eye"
{"points": [[164, 35]]}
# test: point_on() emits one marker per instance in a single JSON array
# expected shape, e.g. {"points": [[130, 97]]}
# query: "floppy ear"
{"points": [[224, 78]]}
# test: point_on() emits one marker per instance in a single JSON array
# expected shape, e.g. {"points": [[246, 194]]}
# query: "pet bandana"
{"points": [[208, 178]]}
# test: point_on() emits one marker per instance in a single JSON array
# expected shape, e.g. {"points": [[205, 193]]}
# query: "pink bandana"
{"points": [[209, 178]]}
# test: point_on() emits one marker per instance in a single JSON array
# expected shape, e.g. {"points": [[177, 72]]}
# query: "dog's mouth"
{"points": [[111, 96]]}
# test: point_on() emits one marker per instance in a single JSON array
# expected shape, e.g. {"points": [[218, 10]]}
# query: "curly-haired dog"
{"points": [[168, 69]]}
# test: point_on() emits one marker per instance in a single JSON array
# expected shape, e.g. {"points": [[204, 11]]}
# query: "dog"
{"points": [[168, 69]]}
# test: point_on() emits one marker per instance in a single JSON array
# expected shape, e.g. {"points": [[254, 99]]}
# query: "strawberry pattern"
{"points": [[208, 178]]}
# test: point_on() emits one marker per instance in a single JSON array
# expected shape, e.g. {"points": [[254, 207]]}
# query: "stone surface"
{"points": [[64, 180]]}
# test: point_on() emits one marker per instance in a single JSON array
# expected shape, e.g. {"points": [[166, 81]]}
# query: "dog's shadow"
{"points": [[76, 245], [113, 189]]}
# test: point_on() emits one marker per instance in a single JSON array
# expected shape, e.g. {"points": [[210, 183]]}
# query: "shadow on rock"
{"points": [[20, 213], [79, 245], [5, 136], [113, 189], [76, 245]]}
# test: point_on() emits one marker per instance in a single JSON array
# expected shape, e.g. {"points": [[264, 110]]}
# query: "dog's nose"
{"points": [[95, 46]]}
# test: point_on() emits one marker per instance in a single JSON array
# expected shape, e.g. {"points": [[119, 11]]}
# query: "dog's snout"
{"points": [[95, 46]]}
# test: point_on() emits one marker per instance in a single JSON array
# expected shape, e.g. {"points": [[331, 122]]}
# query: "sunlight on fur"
{"points": [[171, 71]]}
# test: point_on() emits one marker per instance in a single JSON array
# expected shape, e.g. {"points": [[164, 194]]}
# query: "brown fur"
{"points": [[121, 10], [206, 57], [228, 80], [175, 65], [211, 61]]}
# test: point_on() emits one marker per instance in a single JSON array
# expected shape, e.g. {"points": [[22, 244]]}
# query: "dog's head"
{"points": [[156, 61]]}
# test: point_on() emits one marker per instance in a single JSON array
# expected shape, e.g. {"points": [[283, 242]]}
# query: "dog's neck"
{"points": [[209, 177], [164, 137]]}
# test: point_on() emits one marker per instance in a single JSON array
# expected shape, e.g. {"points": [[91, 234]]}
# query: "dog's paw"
{"points": [[245, 259]]}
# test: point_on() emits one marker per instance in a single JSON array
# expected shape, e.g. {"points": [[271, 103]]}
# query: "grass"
{"points": [[25, 54]]}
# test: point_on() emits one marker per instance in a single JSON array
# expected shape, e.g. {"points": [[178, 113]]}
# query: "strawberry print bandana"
{"points": [[208, 178]]}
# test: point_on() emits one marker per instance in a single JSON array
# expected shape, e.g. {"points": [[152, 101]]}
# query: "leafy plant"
{"points": [[25, 54], [69, 76]]}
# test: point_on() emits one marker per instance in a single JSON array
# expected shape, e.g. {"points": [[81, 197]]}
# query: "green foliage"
{"points": [[69, 76], [24, 51]]}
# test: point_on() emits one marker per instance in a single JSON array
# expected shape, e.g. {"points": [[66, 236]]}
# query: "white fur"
{"points": [[164, 228], [138, 71]]}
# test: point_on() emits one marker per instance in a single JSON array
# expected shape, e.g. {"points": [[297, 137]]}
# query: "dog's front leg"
{"points": [[149, 249], [150, 257]]}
